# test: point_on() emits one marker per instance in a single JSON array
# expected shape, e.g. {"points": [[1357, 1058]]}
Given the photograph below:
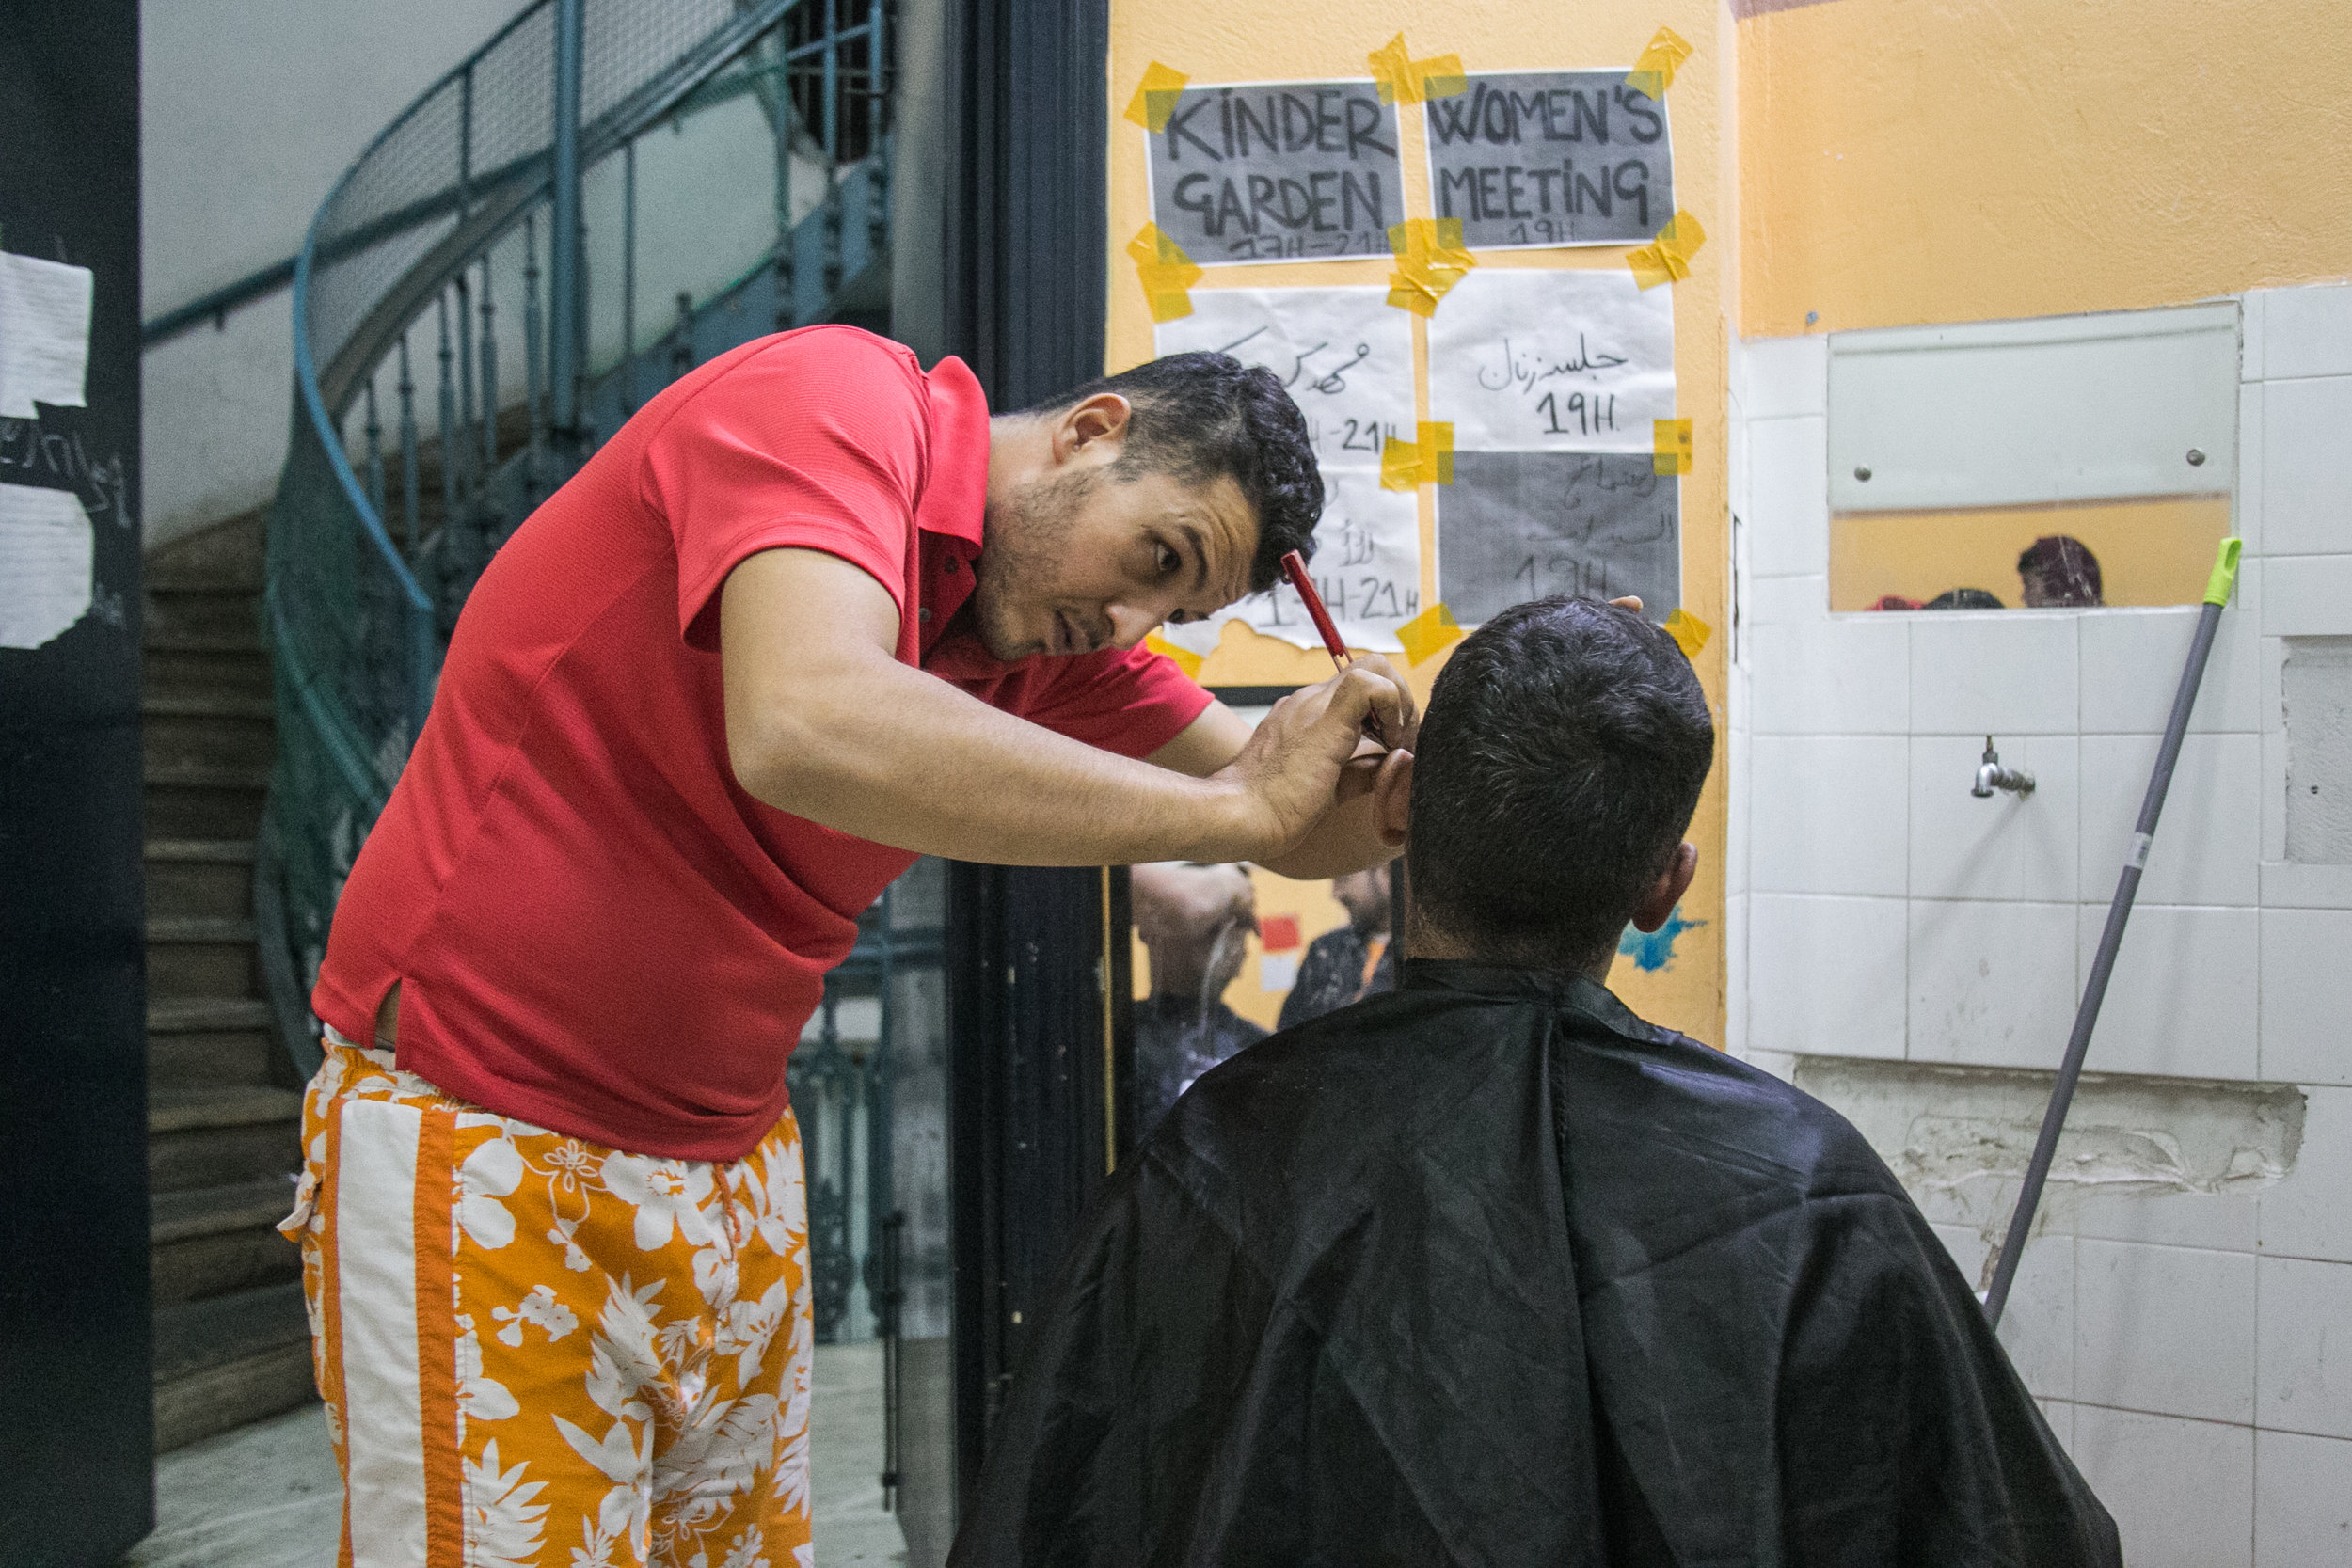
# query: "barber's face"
{"points": [[1076, 557]]}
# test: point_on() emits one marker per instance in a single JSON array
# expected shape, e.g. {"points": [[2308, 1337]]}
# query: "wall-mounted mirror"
{"points": [[2062, 463]]}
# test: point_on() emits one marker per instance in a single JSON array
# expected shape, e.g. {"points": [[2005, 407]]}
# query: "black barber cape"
{"points": [[1489, 1270]]}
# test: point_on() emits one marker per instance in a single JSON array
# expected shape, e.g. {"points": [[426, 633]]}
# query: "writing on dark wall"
{"points": [[1516, 526], [1275, 171], [51, 451], [1550, 158]]}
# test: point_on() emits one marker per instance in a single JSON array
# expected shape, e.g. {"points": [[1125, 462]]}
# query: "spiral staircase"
{"points": [[603, 195]]}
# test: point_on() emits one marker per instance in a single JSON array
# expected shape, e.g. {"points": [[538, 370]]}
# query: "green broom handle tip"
{"points": [[2224, 570]]}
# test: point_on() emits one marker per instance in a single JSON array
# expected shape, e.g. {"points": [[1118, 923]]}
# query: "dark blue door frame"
{"points": [[1038, 959]]}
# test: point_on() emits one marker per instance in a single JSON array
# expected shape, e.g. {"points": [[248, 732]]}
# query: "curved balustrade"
{"points": [[603, 195]]}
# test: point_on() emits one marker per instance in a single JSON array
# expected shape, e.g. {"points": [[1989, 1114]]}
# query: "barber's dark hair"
{"points": [[1197, 416], [1559, 763]]}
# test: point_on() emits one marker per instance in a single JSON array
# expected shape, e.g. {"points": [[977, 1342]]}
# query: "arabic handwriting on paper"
{"points": [[45, 564], [1531, 159], [1552, 360], [51, 453], [44, 333], [1275, 171], [1520, 525], [1366, 566], [1346, 358]]}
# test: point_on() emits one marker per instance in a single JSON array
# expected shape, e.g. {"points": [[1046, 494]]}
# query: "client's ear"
{"points": [[1664, 894], [1392, 797]]}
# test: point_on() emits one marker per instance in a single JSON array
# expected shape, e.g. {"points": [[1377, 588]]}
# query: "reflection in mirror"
{"points": [[1227, 954], [2127, 552]]}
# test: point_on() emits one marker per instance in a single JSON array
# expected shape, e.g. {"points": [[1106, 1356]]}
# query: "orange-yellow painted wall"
{"points": [[1909, 160], [1230, 41]]}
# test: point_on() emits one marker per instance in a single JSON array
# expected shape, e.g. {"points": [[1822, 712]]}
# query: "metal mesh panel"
{"points": [[339, 624], [449, 201]]}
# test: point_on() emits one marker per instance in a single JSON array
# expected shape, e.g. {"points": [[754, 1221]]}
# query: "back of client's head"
{"points": [[1562, 756]]}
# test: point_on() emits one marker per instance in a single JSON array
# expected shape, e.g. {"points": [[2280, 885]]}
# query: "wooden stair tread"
{"points": [[227, 585], [205, 775], [197, 1014], [210, 1210], [207, 705], [203, 642], [193, 1336], [184, 1107], [199, 927], [201, 851]]}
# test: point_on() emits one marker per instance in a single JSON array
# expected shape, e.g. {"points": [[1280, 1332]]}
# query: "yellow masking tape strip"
{"points": [[1184, 658], [1653, 72], [1667, 259], [1431, 632], [1427, 460], [1165, 272], [1670, 446], [1406, 80], [1430, 260], [1155, 100], [1688, 632]]}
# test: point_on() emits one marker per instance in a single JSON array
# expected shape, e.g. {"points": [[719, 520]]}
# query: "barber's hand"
{"points": [[1289, 773]]}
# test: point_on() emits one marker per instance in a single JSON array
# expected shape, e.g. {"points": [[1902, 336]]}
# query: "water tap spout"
{"points": [[1992, 777]]}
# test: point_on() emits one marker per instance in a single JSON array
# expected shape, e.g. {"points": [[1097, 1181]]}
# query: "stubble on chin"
{"points": [[1020, 554]]}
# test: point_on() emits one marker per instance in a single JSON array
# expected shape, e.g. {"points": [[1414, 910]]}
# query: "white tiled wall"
{"points": [[2195, 1350]]}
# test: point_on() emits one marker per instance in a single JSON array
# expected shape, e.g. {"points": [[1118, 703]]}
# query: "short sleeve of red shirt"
{"points": [[755, 462], [1131, 703]]}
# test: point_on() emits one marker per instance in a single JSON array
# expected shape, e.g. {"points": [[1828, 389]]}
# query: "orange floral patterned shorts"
{"points": [[537, 1350]]}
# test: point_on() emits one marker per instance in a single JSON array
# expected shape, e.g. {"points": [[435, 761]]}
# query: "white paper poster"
{"points": [[1367, 567], [45, 562], [1345, 355], [44, 334], [1525, 360]]}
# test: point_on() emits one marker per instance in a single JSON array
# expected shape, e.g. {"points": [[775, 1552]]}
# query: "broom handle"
{"points": [[2118, 912]]}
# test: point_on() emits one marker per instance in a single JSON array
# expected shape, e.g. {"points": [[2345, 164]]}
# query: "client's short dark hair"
{"points": [[1197, 415], [1560, 761], [2069, 572]]}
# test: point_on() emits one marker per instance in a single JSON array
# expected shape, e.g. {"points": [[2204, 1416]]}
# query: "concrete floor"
{"points": [[267, 1496]]}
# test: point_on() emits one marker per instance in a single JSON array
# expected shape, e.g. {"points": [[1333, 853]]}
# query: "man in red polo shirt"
{"points": [[811, 613]]}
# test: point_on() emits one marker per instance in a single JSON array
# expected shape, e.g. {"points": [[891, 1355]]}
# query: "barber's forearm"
{"points": [[901, 758]]}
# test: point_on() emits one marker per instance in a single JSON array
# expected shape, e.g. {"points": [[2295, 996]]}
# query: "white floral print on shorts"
{"points": [[537, 1350]]}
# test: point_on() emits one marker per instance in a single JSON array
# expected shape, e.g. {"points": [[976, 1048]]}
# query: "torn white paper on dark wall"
{"points": [[44, 334], [45, 562]]}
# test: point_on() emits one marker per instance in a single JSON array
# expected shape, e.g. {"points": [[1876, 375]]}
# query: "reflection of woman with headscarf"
{"points": [[1196, 922], [2059, 572]]}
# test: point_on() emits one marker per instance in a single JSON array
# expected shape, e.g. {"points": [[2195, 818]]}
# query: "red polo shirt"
{"points": [[594, 928]]}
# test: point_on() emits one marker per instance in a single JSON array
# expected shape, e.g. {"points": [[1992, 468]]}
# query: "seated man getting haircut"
{"points": [[1489, 1271]]}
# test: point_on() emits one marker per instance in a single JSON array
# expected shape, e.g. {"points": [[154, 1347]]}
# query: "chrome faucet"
{"points": [[1991, 776]]}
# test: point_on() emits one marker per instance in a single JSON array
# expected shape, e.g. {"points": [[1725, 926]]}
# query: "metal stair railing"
{"points": [[763, 123]]}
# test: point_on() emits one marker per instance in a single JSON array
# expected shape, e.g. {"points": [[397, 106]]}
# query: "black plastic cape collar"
{"points": [[1489, 1270]]}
